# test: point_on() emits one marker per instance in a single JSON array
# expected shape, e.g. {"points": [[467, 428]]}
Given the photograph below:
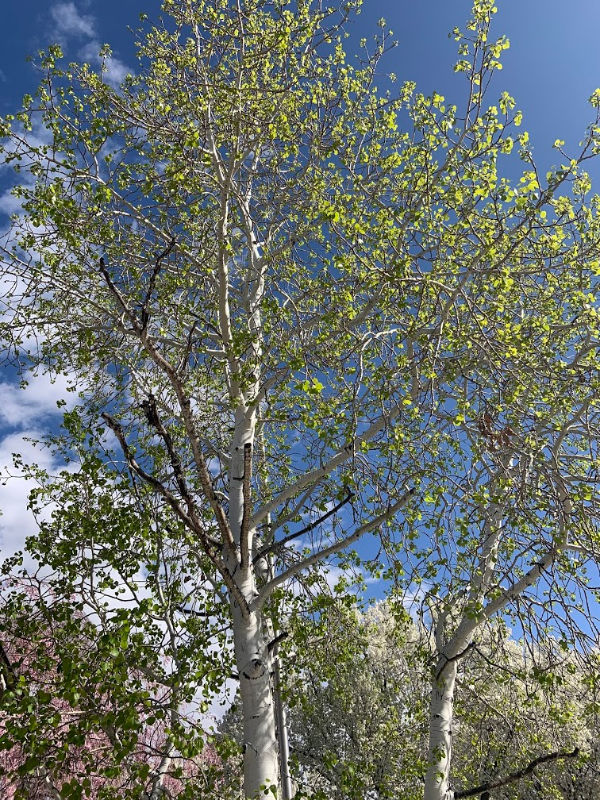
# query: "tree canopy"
{"points": [[302, 312]]}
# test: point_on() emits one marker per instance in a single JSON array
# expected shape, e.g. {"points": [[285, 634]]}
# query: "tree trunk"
{"points": [[261, 760], [261, 752], [437, 780], [441, 709], [287, 792]]}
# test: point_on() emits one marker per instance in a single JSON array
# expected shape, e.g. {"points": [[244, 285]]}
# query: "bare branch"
{"points": [[279, 545], [116, 293], [339, 458], [188, 421], [268, 588], [153, 418], [145, 314], [190, 519], [516, 776]]}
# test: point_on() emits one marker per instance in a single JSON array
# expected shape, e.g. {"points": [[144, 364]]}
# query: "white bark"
{"points": [[440, 734], [250, 634], [282, 734], [261, 752], [441, 708], [261, 761]]}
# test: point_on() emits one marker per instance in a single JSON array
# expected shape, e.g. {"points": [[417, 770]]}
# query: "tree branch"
{"points": [[154, 420], [116, 293], [145, 314], [449, 660], [189, 519], [203, 473], [519, 586], [339, 458], [279, 638], [328, 551], [278, 545], [190, 428], [516, 776]]}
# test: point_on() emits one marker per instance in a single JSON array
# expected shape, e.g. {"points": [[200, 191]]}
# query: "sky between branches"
{"points": [[551, 69]]}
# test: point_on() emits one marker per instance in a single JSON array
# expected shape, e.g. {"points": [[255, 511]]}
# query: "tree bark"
{"points": [[261, 756], [441, 714], [250, 638], [287, 792]]}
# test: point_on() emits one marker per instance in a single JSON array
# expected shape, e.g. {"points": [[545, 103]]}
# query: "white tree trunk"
{"points": [[287, 792], [441, 713], [261, 758], [441, 707], [261, 752]]}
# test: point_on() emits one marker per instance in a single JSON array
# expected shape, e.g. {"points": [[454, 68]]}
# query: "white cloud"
{"points": [[69, 22], [26, 409], [21, 407], [113, 70], [17, 522], [9, 204]]}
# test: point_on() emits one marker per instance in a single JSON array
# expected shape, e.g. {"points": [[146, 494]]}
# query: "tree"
{"points": [[99, 732], [297, 319], [359, 724], [358, 721]]}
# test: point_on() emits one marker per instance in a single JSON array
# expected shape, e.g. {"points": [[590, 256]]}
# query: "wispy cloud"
{"points": [[114, 70], [69, 22]]}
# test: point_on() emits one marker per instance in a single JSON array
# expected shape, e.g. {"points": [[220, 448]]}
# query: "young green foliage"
{"points": [[302, 307]]}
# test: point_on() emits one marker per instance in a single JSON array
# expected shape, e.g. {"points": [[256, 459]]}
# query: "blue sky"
{"points": [[552, 68]]}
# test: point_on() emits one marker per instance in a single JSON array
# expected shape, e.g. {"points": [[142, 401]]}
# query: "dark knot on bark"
{"points": [[254, 669]]}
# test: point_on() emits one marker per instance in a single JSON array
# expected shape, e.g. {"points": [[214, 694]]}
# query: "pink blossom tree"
{"points": [[78, 719]]}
